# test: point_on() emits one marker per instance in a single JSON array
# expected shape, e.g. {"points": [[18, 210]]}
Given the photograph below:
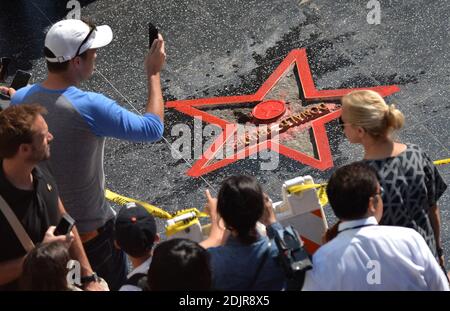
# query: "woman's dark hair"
{"points": [[45, 268], [179, 264], [240, 203], [350, 188]]}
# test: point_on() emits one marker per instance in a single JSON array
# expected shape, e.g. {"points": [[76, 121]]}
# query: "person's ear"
{"points": [[24, 148], [76, 61], [373, 201], [361, 131]]}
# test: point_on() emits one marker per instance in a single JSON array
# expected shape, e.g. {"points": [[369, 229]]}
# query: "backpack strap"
{"points": [[17, 227]]}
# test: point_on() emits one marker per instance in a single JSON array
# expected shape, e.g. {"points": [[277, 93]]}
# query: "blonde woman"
{"points": [[412, 184]]}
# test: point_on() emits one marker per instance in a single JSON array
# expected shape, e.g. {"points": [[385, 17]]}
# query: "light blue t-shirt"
{"points": [[79, 122]]}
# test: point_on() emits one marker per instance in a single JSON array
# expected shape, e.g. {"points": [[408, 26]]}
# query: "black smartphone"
{"points": [[65, 225], [152, 34], [20, 80]]}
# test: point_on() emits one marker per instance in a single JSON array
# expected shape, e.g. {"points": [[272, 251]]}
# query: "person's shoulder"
{"points": [[95, 96], [20, 94], [396, 232], [49, 182], [44, 173], [85, 97], [328, 249], [413, 149], [89, 103], [216, 249]]}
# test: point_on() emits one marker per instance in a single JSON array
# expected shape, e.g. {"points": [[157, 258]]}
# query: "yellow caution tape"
{"points": [[441, 162], [122, 200], [321, 191], [196, 214], [160, 213]]}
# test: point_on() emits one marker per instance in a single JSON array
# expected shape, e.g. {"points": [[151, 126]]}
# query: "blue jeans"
{"points": [[106, 260]]}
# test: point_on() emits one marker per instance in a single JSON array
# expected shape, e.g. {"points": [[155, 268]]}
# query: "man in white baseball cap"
{"points": [[80, 121], [70, 38]]}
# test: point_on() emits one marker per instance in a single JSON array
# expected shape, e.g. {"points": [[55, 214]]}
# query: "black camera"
{"points": [[292, 256]]}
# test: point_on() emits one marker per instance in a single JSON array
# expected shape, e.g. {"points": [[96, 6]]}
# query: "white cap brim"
{"points": [[103, 37]]}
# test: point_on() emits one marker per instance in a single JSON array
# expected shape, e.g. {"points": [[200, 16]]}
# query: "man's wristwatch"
{"points": [[90, 278]]}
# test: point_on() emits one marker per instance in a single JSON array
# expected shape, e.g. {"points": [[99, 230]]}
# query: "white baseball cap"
{"points": [[71, 37]]}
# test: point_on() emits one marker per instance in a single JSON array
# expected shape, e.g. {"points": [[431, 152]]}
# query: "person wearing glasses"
{"points": [[80, 121], [411, 182], [365, 255]]}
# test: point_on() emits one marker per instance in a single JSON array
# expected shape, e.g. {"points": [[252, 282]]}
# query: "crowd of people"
{"points": [[386, 203]]}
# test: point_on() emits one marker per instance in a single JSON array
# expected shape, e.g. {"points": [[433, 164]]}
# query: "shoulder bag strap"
{"points": [[20, 232]]}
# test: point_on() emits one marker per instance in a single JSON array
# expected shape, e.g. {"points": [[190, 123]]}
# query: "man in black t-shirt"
{"points": [[31, 193]]}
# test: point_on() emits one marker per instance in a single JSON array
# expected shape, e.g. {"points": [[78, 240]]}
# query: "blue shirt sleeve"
{"points": [[107, 118], [20, 94]]}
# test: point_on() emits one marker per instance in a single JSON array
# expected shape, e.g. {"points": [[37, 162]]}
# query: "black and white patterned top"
{"points": [[412, 184]]}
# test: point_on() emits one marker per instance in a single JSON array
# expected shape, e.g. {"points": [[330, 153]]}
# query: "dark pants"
{"points": [[106, 260]]}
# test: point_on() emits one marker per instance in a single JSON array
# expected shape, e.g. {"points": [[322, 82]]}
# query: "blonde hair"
{"points": [[369, 110]]}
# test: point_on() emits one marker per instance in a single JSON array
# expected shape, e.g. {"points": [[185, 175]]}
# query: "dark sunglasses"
{"points": [[85, 39]]}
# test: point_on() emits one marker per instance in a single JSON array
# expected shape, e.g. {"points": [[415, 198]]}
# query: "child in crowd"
{"points": [[135, 234]]}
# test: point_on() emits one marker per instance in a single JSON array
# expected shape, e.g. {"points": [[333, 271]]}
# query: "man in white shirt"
{"points": [[136, 233], [364, 255]]}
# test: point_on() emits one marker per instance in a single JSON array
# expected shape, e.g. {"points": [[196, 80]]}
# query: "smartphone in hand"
{"points": [[20, 80], [152, 34], [65, 225]]}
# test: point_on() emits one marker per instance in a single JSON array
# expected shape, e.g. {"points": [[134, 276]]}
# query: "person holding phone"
{"points": [[30, 192], [21, 79], [7, 91], [81, 121]]}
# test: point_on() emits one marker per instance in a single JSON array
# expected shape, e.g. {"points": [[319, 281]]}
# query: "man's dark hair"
{"points": [[62, 67], [16, 127], [241, 204], [350, 188], [179, 264], [45, 268]]}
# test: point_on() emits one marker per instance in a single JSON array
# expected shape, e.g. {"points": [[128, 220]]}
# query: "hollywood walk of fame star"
{"points": [[310, 94]]}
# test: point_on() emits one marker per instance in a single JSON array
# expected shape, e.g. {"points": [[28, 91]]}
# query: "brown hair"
{"points": [[45, 268], [368, 110], [16, 127]]}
